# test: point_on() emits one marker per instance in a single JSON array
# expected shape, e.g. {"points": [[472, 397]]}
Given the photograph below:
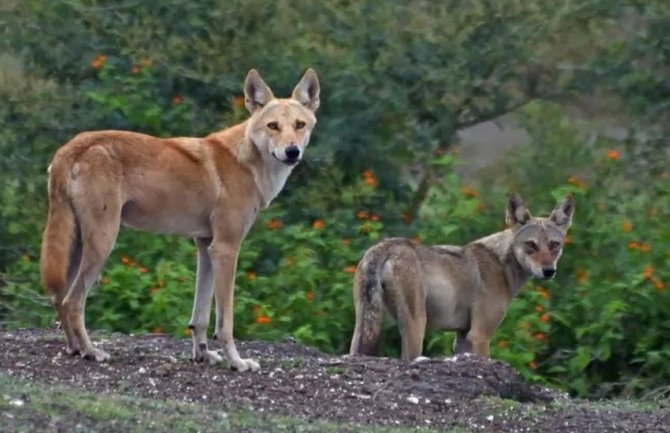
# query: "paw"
{"points": [[211, 357], [96, 355], [244, 365], [72, 350]]}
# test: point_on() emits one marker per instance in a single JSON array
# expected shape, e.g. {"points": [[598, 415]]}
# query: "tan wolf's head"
{"points": [[280, 128], [537, 243]]}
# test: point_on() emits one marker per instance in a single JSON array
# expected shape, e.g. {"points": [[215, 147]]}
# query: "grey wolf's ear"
{"points": [[562, 213], [517, 212], [307, 90], [256, 92]]}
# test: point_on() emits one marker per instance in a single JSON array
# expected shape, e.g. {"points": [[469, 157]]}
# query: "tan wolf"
{"points": [[207, 188], [466, 289]]}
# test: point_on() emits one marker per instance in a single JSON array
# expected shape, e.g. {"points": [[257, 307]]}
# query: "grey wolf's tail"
{"points": [[369, 303]]}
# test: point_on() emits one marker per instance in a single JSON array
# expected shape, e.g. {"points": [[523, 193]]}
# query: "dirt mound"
{"points": [[463, 391]]}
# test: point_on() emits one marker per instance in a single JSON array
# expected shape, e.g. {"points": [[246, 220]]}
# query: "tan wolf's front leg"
{"points": [[202, 305], [224, 265]]}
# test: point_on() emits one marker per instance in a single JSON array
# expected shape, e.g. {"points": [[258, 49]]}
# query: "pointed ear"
{"points": [[256, 92], [517, 212], [307, 90], [562, 213]]}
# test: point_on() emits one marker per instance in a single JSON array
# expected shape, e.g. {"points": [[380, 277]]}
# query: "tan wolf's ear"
{"points": [[562, 213], [517, 212], [256, 92], [307, 90]]}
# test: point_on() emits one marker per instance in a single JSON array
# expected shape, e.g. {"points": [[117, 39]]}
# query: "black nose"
{"points": [[548, 272], [292, 152]]}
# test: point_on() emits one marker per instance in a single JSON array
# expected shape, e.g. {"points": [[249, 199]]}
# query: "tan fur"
{"points": [[464, 289], [208, 188]]}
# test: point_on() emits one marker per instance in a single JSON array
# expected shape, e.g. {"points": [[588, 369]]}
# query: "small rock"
{"points": [[413, 399], [142, 370], [16, 402]]}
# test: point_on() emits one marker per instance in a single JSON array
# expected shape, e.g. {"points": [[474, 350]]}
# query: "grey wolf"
{"points": [[207, 188], [465, 289]]}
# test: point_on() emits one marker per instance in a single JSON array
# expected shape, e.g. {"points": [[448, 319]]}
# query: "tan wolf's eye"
{"points": [[274, 126], [299, 124], [553, 245], [531, 245]]}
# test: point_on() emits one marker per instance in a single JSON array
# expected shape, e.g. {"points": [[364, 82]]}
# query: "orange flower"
{"points": [[567, 240], [539, 308], [274, 224], [126, 260], [582, 276], [502, 344], [177, 99], [532, 365], [135, 70], [318, 224], [362, 214], [251, 275], [346, 242], [143, 270], [633, 245], [263, 320], [309, 295], [648, 272], [188, 332], [370, 178], [627, 226], [351, 269], [374, 217], [469, 191], [613, 155], [574, 180], [157, 330], [545, 318], [540, 336], [99, 62], [659, 285], [238, 101], [645, 247]]}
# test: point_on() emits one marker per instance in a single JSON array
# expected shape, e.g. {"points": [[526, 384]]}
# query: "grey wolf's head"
{"points": [[280, 128], [537, 243]]}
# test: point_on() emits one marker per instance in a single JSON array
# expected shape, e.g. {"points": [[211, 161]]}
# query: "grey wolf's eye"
{"points": [[531, 245], [299, 124], [273, 125], [554, 245]]}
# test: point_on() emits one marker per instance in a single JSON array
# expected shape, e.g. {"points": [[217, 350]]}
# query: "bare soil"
{"points": [[464, 392]]}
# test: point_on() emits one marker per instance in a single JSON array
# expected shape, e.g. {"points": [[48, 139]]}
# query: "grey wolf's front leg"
{"points": [[224, 263], [202, 305]]}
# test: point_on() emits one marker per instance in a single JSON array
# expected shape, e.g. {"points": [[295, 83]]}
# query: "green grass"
{"points": [[56, 408]]}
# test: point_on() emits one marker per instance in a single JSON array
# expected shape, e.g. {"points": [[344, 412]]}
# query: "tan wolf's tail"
{"points": [[368, 299], [58, 240]]}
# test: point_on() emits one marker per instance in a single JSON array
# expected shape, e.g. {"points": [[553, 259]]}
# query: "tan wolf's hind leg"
{"points": [[57, 299], [99, 211], [410, 302]]}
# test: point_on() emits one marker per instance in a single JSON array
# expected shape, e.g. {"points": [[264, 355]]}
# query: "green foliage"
{"points": [[398, 82]]}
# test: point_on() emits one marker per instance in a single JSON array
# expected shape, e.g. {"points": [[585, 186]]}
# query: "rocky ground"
{"points": [[464, 393]]}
